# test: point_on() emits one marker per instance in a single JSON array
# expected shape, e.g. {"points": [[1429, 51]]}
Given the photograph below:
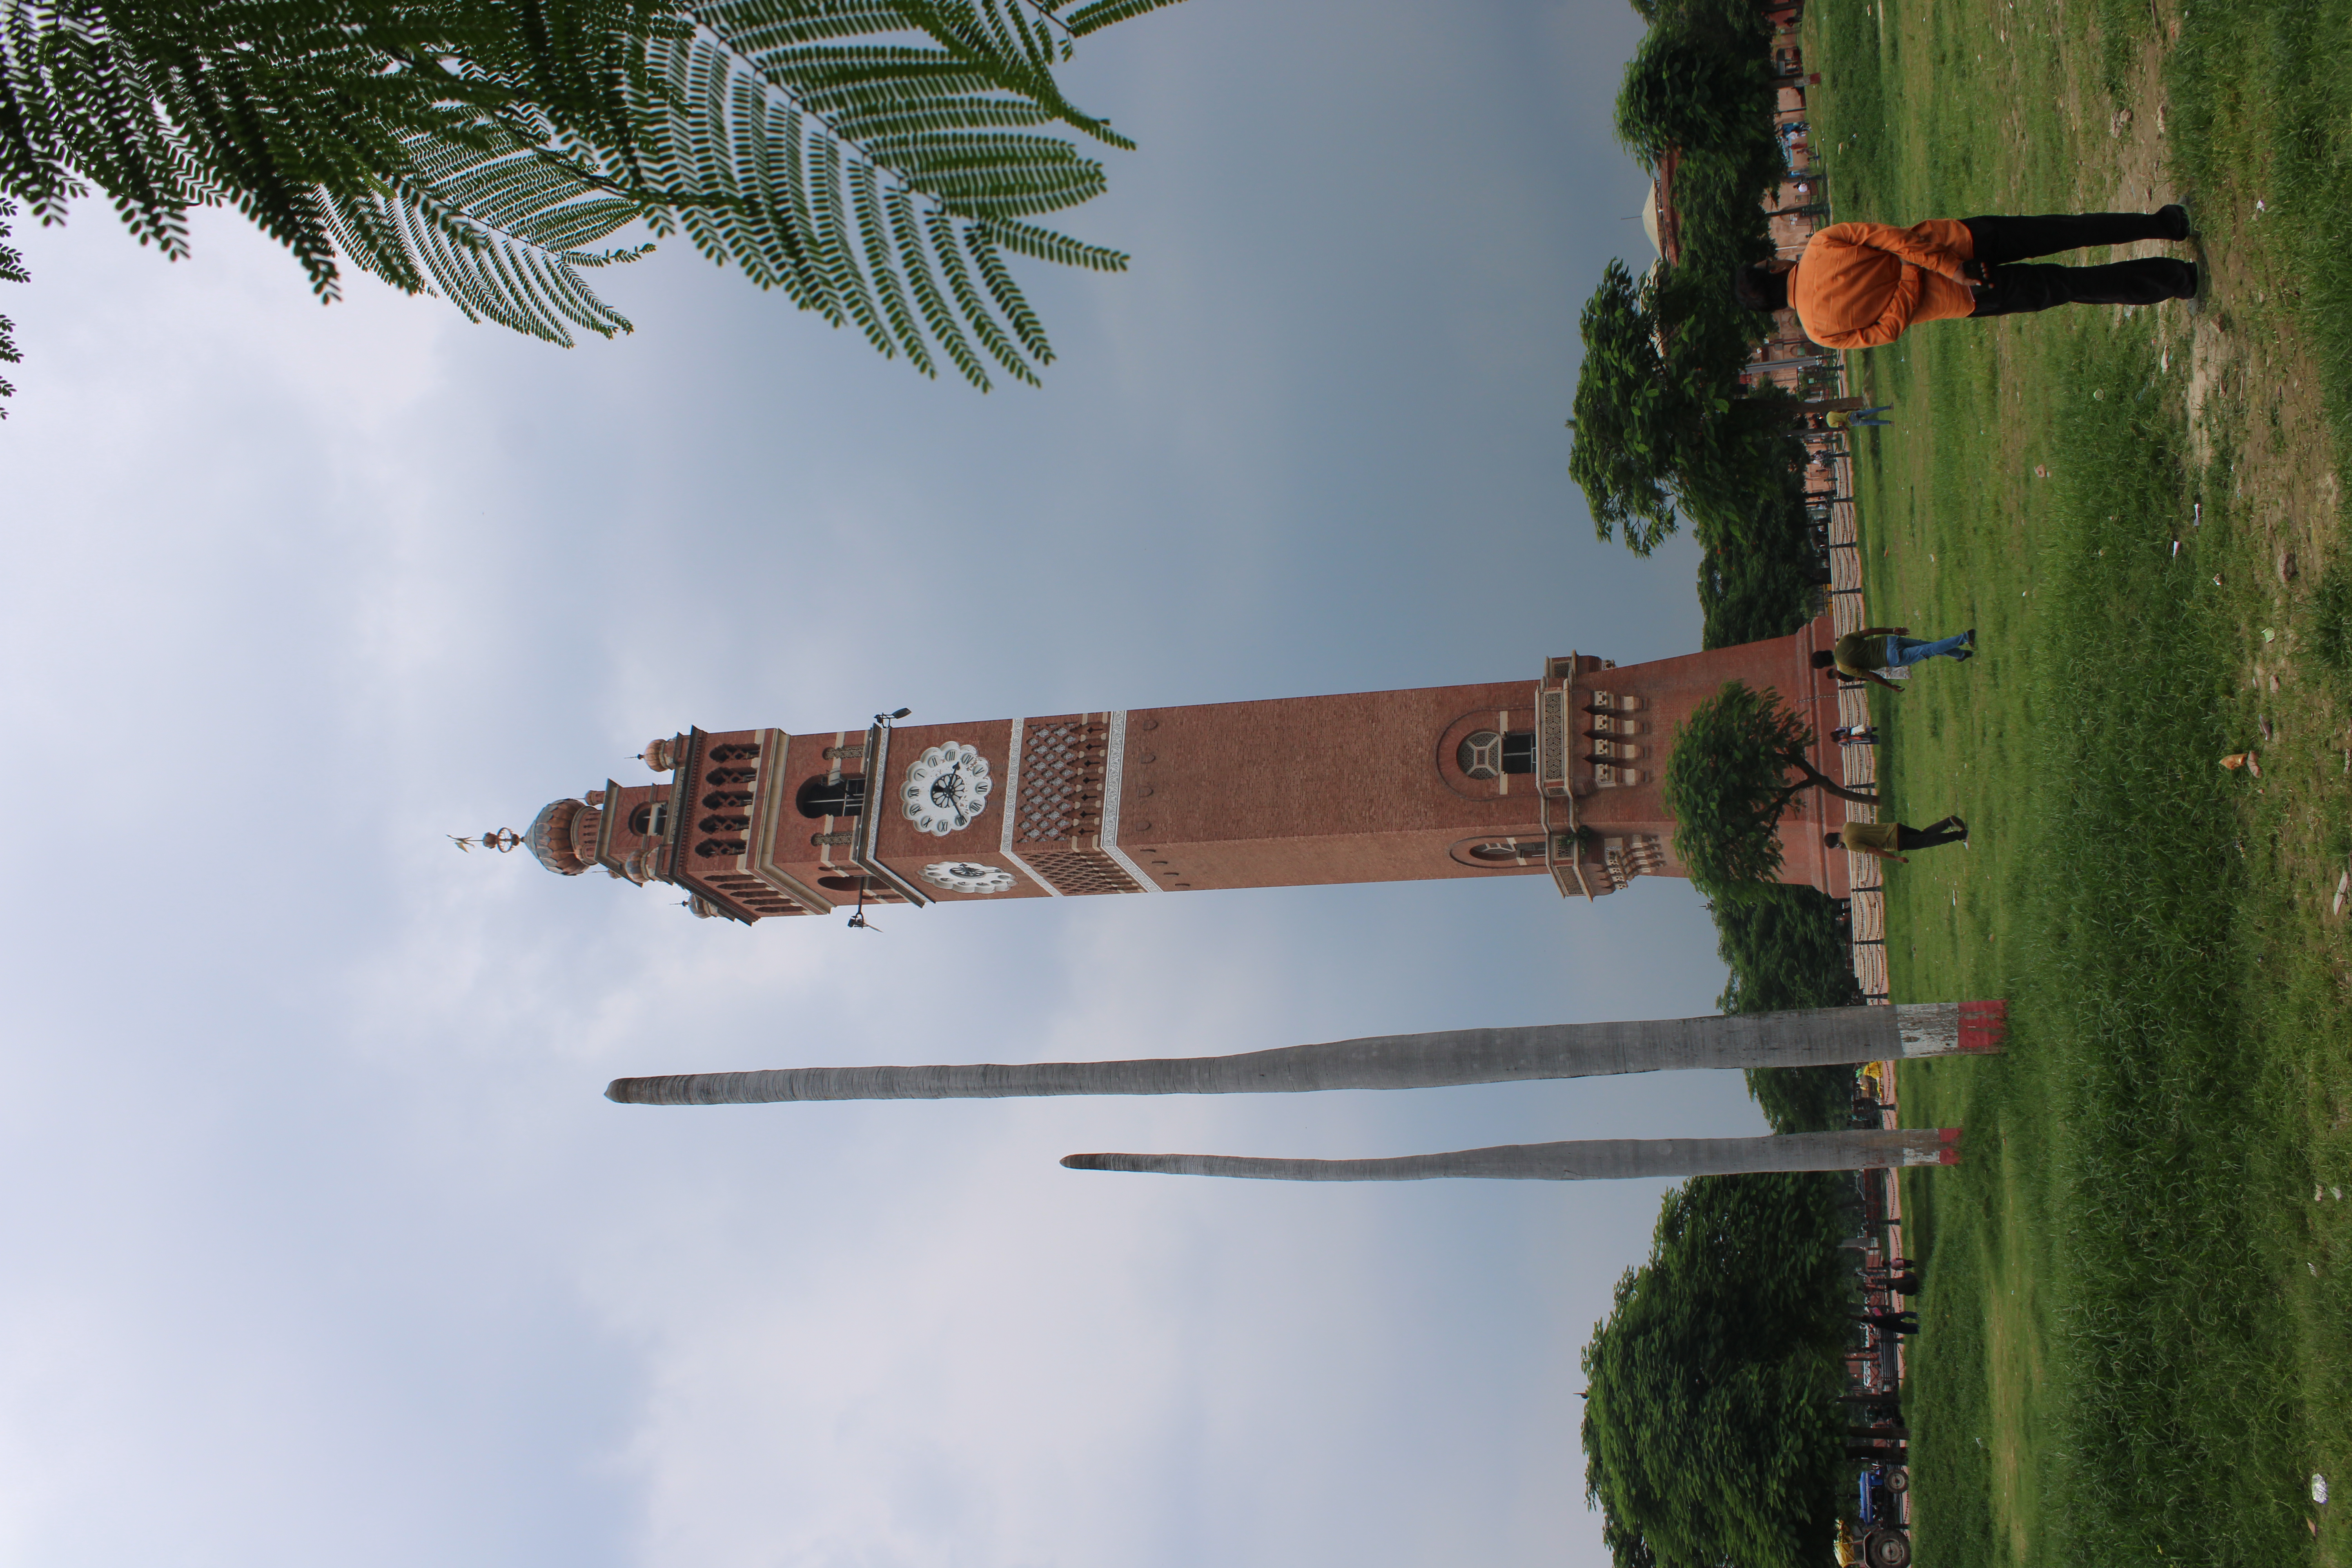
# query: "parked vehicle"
{"points": [[1885, 1544]]}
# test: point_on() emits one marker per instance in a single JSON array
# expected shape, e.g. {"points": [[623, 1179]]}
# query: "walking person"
{"points": [[1855, 734], [1862, 285], [1889, 1322], [1860, 656], [1887, 840], [1840, 419]]}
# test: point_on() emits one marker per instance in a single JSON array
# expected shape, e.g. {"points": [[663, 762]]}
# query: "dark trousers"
{"points": [[2002, 242], [1928, 838]]}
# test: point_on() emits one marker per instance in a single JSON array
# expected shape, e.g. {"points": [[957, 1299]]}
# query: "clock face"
{"points": [[963, 877], [946, 789]]}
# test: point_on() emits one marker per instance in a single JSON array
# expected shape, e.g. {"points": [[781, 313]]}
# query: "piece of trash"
{"points": [[2254, 764], [2315, 1274], [2341, 884], [2245, 760], [2217, 579], [2175, 547], [2319, 1489], [2164, 360], [2269, 635], [2098, 395], [2197, 514], [2040, 472], [2337, 1193], [2264, 726]]}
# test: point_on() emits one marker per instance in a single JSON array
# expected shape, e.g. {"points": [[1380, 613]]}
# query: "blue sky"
{"points": [[324, 1246]]}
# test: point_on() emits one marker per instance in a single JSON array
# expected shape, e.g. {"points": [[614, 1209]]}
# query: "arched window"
{"points": [[649, 818], [1509, 853], [822, 796]]}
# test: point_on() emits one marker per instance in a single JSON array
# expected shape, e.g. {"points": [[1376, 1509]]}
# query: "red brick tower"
{"points": [[1557, 776]]}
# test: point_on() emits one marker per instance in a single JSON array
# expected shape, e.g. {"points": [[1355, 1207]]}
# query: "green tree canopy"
{"points": [[1786, 951], [1726, 785], [1711, 1425], [872, 158], [1698, 86], [1663, 426]]}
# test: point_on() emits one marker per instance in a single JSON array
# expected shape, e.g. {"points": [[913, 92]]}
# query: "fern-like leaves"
{"points": [[871, 159]]}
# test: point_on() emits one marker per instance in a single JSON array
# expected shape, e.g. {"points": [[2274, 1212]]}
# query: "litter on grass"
{"points": [[2319, 1489]]}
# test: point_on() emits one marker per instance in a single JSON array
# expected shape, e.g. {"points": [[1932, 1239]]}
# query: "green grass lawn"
{"points": [[2139, 1340]]}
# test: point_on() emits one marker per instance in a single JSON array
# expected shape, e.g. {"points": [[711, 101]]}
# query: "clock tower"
{"points": [[1554, 776]]}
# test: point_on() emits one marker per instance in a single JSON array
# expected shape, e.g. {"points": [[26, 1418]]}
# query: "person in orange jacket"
{"points": [[1860, 285]]}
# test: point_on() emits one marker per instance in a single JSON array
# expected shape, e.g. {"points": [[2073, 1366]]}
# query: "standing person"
{"points": [[1860, 656], [1855, 734], [1860, 285], [1887, 839]]}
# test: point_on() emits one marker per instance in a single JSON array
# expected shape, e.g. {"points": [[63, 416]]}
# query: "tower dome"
{"points": [[563, 837]]}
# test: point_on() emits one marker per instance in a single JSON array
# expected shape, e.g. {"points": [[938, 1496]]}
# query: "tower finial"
{"points": [[504, 840]]}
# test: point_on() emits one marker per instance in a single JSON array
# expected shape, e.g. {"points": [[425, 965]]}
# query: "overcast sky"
{"points": [[322, 1247]]}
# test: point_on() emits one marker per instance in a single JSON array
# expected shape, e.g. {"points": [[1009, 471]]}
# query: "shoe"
{"points": [[2190, 287], [2175, 219], [1971, 634]]}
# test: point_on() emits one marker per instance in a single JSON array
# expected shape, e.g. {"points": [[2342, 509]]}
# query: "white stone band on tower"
{"points": [[1114, 772]]}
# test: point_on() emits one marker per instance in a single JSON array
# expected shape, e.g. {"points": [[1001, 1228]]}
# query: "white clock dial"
{"points": [[963, 877], [946, 789]]}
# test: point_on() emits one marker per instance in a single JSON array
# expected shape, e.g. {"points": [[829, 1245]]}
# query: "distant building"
{"points": [[1660, 221]]}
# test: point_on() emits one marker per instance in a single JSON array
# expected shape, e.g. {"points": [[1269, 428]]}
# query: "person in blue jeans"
{"points": [[1839, 419], [1860, 656]]}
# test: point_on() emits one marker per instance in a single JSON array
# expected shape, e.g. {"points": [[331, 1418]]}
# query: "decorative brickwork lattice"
{"points": [[1061, 793], [1077, 871]]}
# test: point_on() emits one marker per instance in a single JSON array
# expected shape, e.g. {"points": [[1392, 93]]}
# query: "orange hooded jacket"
{"points": [[1858, 285]]}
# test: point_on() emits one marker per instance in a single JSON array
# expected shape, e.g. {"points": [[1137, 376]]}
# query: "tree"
{"points": [[1582, 1159], [1700, 87], [1726, 784], [1384, 1061], [1785, 949], [1712, 1429], [1663, 426], [873, 158]]}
